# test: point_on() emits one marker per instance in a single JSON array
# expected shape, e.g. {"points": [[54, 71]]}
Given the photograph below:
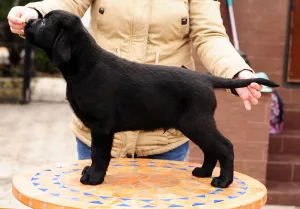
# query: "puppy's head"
{"points": [[53, 33]]}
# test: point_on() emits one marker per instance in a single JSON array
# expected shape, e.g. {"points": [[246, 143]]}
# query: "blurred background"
{"points": [[35, 117]]}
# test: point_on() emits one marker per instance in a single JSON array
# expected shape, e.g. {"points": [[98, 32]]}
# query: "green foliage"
{"points": [[6, 5], [41, 61]]}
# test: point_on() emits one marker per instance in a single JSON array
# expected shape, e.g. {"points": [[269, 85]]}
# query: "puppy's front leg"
{"points": [[101, 149]]}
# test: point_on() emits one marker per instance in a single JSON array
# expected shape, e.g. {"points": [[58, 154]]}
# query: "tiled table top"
{"points": [[134, 183]]}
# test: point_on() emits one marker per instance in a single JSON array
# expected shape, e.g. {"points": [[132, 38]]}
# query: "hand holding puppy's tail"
{"points": [[240, 83]]}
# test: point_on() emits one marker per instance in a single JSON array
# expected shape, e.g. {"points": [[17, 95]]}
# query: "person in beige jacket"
{"points": [[156, 32]]}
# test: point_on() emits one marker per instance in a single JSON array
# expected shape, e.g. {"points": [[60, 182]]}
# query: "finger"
{"points": [[247, 105], [254, 92], [243, 93], [15, 20], [253, 100], [15, 14], [17, 31], [28, 16], [16, 26], [257, 86]]}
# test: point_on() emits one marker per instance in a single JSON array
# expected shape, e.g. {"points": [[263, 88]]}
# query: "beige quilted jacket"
{"points": [[154, 31]]}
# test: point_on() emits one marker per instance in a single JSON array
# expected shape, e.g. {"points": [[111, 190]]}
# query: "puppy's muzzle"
{"points": [[29, 23]]}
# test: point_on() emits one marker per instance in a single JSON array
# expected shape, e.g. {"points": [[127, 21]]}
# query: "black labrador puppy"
{"points": [[110, 94]]}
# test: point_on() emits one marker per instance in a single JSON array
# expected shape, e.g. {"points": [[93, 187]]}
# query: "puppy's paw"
{"points": [[200, 172], [91, 177], [221, 182]]}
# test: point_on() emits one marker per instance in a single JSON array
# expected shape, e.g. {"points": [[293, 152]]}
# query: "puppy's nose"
{"points": [[29, 22]]}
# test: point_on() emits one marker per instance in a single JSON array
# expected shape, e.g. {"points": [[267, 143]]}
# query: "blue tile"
{"points": [[241, 193], [57, 175], [37, 174], [125, 199], [244, 188], [201, 196], [58, 166], [214, 192], [124, 205], [73, 190], [190, 166], [62, 186], [167, 166], [183, 169], [96, 202], [56, 182], [55, 179], [55, 194], [48, 170], [77, 169], [87, 194], [43, 189], [216, 201], [219, 190], [36, 184], [105, 197], [148, 206], [175, 206], [73, 198], [34, 179], [133, 165], [198, 203], [146, 200], [76, 164], [117, 165], [232, 197], [241, 182], [183, 198], [166, 200]]}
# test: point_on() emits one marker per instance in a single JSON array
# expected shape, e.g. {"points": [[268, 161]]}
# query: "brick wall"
{"points": [[261, 28], [248, 131]]}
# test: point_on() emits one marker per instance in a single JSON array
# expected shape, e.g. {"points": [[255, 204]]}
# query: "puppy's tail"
{"points": [[239, 83]]}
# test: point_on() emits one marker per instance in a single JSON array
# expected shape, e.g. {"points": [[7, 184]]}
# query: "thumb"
{"points": [[15, 14], [29, 14]]}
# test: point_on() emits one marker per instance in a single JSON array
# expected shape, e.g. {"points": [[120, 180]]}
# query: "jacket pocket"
{"points": [[185, 19], [169, 20], [114, 15]]}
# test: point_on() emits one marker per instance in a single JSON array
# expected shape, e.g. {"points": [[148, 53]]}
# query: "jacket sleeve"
{"points": [[211, 42], [77, 7]]}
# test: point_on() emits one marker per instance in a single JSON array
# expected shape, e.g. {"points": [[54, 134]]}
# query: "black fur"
{"points": [[110, 94]]}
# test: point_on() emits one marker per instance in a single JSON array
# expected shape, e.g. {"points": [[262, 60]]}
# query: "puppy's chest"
{"points": [[82, 101]]}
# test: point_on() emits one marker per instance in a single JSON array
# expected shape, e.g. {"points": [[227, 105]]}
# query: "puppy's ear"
{"points": [[61, 51]]}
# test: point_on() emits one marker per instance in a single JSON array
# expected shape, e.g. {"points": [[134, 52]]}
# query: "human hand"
{"points": [[251, 93], [16, 18]]}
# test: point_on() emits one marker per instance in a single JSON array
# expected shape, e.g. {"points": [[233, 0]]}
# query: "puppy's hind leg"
{"points": [[225, 154], [101, 155], [215, 146], [209, 163]]}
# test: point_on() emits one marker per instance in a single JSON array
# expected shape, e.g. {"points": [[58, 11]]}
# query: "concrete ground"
{"points": [[30, 136], [36, 134]]}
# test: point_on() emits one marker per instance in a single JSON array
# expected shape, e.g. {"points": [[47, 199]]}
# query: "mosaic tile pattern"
{"points": [[133, 183]]}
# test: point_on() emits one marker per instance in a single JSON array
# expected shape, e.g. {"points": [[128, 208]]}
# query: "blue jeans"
{"points": [[178, 154]]}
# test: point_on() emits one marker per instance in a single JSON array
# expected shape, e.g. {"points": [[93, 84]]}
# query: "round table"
{"points": [[134, 183]]}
